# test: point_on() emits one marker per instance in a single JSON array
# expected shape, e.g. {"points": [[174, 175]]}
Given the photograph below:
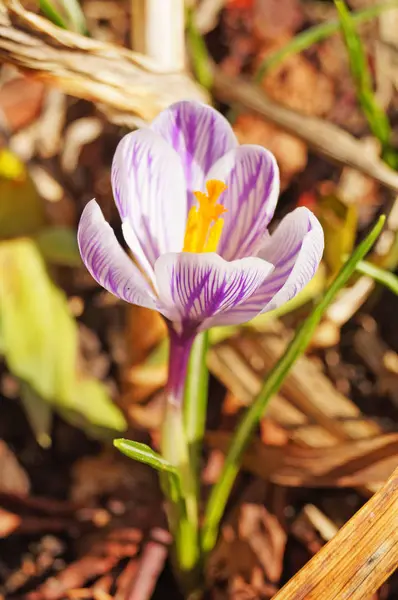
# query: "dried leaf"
{"points": [[298, 85], [343, 465], [8, 523], [265, 536], [290, 152], [13, 478], [21, 100]]}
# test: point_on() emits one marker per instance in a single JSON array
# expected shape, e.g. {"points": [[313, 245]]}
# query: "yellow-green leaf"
{"points": [[59, 246], [91, 401], [339, 222], [21, 208], [39, 337]]}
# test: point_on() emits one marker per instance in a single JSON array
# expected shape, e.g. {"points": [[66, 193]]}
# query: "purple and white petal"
{"points": [[107, 262], [149, 189], [296, 249], [195, 288], [199, 134], [252, 178]]}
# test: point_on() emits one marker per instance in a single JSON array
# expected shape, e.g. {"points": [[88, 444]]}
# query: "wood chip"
{"points": [[357, 561]]}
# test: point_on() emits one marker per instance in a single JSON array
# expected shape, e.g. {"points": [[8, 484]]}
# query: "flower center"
{"points": [[204, 225]]}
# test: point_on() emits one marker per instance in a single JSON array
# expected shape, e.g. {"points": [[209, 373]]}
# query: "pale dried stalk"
{"points": [[157, 30], [359, 559], [127, 84], [325, 138]]}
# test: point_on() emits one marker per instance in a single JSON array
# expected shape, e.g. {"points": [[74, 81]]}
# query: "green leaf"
{"points": [[389, 280], [59, 246], [375, 115], [145, 454], [90, 400], [66, 14], [222, 489], [339, 222], [39, 337], [316, 34], [195, 402], [21, 208], [160, 354], [198, 52]]}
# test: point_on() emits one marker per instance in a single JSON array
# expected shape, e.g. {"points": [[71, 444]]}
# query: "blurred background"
{"points": [[318, 87]]}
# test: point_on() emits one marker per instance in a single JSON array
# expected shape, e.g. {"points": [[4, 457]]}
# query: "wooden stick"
{"points": [[357, 561]]}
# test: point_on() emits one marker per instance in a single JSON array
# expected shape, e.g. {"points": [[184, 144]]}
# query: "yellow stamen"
{"points": [[204, 225]]}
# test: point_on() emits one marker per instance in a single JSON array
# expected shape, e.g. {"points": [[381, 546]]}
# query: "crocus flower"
{"points": [[195, 207]]}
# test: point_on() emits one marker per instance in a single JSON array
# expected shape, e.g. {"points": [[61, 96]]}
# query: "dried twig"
{"points": [[357, 561], [151, 565]]}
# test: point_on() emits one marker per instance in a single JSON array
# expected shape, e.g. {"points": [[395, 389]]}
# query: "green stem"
{"points": [[182, 515], [195, 402], [222, 489], [183, 519]]}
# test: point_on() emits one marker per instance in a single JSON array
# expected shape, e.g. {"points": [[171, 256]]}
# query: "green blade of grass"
{"points": [[375, 115], [222, 489], [316, 34], [201, 62], [66, 14]]}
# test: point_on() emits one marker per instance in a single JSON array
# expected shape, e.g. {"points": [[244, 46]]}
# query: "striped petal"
{"points": [[195, 290], [252, 177], [149, 189], [199, 134], [296, 249], [107, 262]]}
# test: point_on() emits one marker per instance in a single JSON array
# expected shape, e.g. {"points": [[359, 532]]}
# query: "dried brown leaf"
{"points": [[289, 151], [21, 101], [13, 477], [309, 396], [357, 463], [265, 536]]}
